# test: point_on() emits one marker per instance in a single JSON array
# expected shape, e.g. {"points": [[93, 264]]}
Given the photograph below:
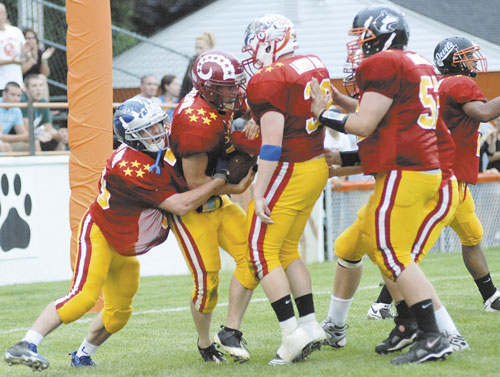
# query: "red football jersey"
{"points": [[446, 150], [199, 128], [125, 209], [454, 91], [405, 139], [284, 86]]}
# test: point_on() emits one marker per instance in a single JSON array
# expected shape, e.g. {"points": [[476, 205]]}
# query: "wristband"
{"points": [[333, 120], [270, 152], [350, 158]]}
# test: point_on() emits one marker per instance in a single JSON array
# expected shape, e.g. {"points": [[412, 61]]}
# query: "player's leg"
{"points": [[90, 273], [233, 239], [196, 235], [381, 307], [470, 231]]}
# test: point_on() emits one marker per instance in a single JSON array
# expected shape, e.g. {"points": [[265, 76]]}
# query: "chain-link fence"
{"points": [[133, 54], [341, 208]]}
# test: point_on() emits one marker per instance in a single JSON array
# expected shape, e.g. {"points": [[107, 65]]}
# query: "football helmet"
{"points": [[134, 124], [220, 79], [266, 39], [459, 55], [377, 28]]}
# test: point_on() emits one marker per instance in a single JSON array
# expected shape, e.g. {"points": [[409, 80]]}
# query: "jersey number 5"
{"points": [[312, 123], [430, 101]]}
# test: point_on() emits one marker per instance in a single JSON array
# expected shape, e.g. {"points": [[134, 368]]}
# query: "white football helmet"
{"points": [[266, 39], [134, 120]]}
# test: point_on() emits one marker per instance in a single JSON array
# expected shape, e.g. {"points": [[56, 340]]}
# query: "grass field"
{"points": [[160, 339]]}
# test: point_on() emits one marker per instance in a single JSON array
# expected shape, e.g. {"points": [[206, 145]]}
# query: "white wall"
{"points": [[44, 180]]}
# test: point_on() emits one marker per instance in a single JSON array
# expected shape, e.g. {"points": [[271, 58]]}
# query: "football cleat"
{"points": [[296, 345], [335, 335], [315, 332], [430, 347], [81, 361], [400, 337], [379, 310], [212, 354], [232, 342], [493, 303], [457, 342], [26, 353]]}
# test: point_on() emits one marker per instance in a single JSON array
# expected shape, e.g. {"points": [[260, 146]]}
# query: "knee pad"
{"points": [[205, 298], [287, 258], [76, 307], [350, 264], [115, 319], [244, 274]]}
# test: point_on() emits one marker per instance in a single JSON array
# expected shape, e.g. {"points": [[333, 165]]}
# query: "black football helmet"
{"points": [[377, 28], [459, 56]]}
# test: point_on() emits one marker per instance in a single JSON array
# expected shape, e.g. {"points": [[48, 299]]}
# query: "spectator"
{"points": [[11, 53], [170, 89], [202, 43], [149, 88], [494, 153], [36, 59], [49, 138], [12, 118]]}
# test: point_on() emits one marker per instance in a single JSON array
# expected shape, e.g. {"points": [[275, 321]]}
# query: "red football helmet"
{"points": [[220, 79]]}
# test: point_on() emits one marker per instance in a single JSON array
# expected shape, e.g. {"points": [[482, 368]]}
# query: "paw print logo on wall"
{"points": [[14, 230]]}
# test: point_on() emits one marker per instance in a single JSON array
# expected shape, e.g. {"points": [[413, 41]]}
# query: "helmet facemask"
{"points": [[469, 59]]}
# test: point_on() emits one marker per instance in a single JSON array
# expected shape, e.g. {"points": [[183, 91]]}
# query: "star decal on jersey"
{"points": [[269, 69], [140, 173], [135, 164], [279, 65], [193, 118], [201, 111], [206, 120], [189, 110], [146, 166], [128, 171], [123, 164], [213, 116]]}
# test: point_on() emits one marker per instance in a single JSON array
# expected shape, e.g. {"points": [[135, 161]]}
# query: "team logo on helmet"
{"points": [[385, 22], [223, 62], [443, 54]]}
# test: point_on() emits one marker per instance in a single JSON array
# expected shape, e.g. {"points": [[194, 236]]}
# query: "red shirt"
{"points": [[199, 128], [126, 208], [283, 87], [454, 91], [446, 150], [405, 139]]}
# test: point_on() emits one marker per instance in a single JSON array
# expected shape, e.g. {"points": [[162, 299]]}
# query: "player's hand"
{"points": [[318, 103], [332, 157], [251, 130], [262, 210], [244, 184]]}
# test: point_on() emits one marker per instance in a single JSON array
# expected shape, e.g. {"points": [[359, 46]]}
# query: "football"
{"points": [[239, 164]]}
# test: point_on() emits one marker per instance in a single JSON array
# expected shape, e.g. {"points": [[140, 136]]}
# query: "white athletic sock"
{"points": [[288, 325], [444, 321], [86, 349], [311, 317], [339, 308], [33, 337]]}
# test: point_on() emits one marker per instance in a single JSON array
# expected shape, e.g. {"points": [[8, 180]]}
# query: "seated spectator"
{"points": [[170, 89], [149, 88], [37, 61], [12, 118], [49, 138]]}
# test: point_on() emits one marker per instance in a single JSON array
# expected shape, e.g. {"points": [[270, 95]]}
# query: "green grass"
{"points": [[160, 339]]}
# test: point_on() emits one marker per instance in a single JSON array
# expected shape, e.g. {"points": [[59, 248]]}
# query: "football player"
{"points": [[126, 219], [201, 134], [397, 115], [292, 174], [463, 107]]}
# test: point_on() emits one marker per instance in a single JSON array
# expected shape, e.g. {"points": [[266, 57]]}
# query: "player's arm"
{"points": [[194, 167], [182, 203], [372, 109], [483, 111], [272, 124], [349, 104]]}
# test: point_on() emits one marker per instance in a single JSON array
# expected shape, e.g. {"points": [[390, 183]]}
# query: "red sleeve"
{"points": [[193, 134], [267, 91], [241, 143], [463, 89], [378, 76]]}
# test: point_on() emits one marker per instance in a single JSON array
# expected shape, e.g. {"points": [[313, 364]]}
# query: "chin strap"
{"points": [[156, 167]]}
